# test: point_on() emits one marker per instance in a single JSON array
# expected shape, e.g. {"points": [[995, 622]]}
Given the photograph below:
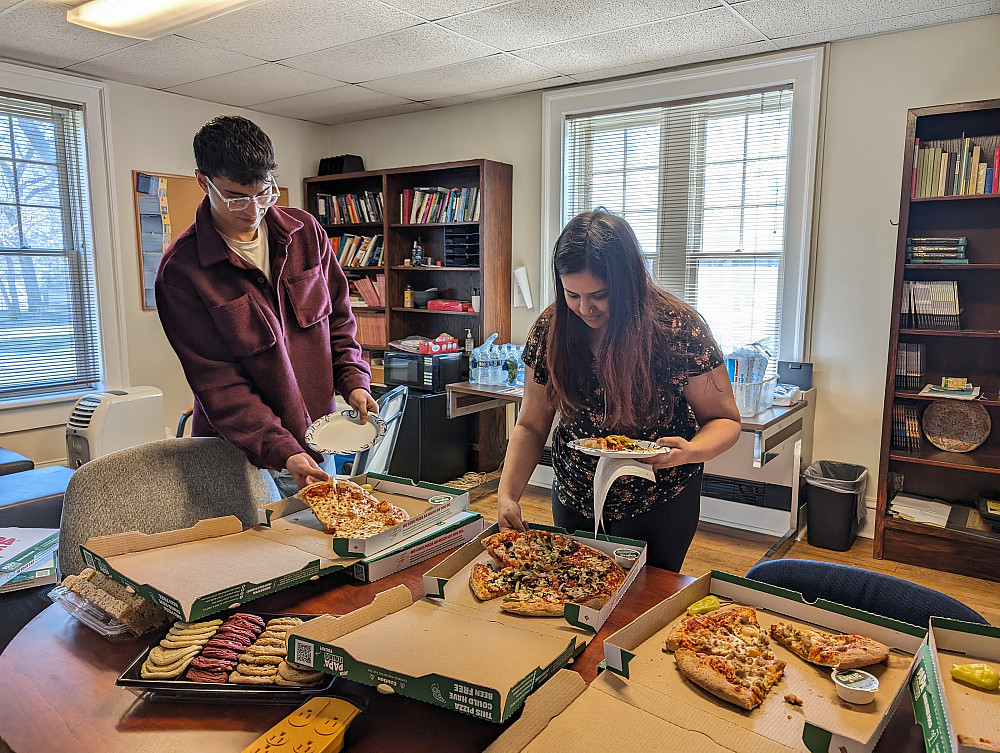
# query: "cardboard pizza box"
{"points": [[23, 549], [426, 504], [41, 574], [215, 564], [956, 717], [444, 648], [822, 723]]}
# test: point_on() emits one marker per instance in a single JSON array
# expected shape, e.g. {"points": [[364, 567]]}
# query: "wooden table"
{"points": [[472, 397], [57, 690]]}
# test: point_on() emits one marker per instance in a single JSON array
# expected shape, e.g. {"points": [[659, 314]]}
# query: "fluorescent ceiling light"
{"points": [[148, 19]]}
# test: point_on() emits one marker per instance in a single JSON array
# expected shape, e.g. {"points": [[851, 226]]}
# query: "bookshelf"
{"points": [[474, 254], [967, 544]]}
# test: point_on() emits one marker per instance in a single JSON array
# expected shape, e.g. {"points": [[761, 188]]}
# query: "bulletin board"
{"points": [[164, 205]]}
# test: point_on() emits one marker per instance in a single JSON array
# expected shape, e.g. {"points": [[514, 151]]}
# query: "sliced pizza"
{"points": [[615, 442], [728, 654], [541, 572], [830, 649], [347, 510]]}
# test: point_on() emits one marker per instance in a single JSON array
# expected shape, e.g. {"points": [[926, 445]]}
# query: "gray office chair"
{"points": [[873, 592], [376, 460], [159, 486]]}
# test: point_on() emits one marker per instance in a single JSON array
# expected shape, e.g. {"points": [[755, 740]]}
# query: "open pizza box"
{"points": [[216, 565], [444, 648], [823, 722], [956, 717], [426, 504]]}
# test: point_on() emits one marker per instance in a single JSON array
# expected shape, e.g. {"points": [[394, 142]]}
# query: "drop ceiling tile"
{"points": [[464, 78], [262, 83], [382, 112], [414, 49], [505, 91], [38, 32], [899, 23], [782, 18], [331, 103], [528, 23], [754, 48], [279, 29], [434, 9], [702, 32], [165, 62]]}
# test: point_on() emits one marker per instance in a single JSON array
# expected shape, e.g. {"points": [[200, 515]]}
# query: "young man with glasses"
{"points": [[256, 307]]}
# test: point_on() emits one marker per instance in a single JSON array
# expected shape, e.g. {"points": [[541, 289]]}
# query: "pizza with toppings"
{"points": [[727, 653], [347, 510], [830, 649], [540, 572], [615, 442]]}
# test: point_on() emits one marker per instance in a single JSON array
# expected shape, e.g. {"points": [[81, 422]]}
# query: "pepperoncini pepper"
{"points": [[702, 606], [978, 675]]}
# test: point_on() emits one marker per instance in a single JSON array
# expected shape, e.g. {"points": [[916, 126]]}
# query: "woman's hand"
{"points": [[362, 401], [680, 452], [304, 470], [509, 515]]}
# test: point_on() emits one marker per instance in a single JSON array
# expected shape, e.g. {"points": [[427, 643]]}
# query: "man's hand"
{"points": [[304, 470], [509, 515], [362, 401]]}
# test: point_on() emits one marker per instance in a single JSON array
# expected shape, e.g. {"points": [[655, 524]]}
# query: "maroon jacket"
{"points": [[262, 359]]}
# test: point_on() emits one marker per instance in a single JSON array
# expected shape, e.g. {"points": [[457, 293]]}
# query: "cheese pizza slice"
{"points": [[830, 649]]}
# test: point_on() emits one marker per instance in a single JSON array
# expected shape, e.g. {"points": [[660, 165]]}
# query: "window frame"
{"points": [[24, 413], [802, 69]]}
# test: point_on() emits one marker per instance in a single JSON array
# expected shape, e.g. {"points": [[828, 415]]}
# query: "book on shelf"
{"points": [[955, 167], [358, 250], [349, 208], [439, 205], [906, 434], [910, 359], [371, 327], [971, 392], [930, 304]]}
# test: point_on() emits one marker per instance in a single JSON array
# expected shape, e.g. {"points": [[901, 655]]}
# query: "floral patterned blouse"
{"points": [[693, 352]]}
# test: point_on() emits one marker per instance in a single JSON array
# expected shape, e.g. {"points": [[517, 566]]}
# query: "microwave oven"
{"points": [[428, 373]]}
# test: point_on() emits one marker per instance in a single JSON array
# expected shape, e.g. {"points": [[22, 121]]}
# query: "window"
{"points": [[709, 172], [48, 322]]}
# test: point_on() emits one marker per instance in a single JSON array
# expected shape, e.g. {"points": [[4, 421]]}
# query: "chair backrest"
{"points": [[390, 409], [156, 487], [873, 592]]}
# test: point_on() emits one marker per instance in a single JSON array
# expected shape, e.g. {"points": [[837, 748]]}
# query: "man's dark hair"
{"points": [[234, 148]]}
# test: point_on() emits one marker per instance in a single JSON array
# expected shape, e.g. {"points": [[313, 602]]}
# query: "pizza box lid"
{"points": [[955, 717], [822, 723], [24, 548], [397, 642], [291, 521]]}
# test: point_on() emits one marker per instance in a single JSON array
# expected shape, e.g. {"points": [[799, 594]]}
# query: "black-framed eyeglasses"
{"points": [[264, 199]]}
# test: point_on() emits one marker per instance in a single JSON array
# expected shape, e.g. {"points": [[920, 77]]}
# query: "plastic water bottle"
{"points": [[479, 365], [495, 356], [520, 366], [512, 359]]}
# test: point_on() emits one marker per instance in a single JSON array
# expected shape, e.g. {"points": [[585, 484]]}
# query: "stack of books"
{"points": [[358, 250], [349, 208], [910, 359], [956, 167], [930, 304], [371, 293], [435, 204], [969, 392], [371, 328], [949, 250], [906, 434]]}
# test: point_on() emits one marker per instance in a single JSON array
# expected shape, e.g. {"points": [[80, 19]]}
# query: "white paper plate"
{"points": [[649, 450], [341, 434]]}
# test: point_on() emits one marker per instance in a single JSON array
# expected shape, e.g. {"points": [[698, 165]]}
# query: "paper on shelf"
{"points": [[920, 510]]}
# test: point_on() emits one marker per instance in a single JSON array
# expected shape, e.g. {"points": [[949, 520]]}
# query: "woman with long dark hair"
{"points": [[615, 354]]}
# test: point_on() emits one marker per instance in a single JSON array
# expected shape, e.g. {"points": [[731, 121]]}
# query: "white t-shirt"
{"points": [[253, 252]]}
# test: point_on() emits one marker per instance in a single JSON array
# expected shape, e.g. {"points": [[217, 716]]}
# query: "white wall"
{"points": [[871, 84], [152, 131]]}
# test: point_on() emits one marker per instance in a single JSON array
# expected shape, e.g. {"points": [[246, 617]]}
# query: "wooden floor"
{"points": [[736, 551]]}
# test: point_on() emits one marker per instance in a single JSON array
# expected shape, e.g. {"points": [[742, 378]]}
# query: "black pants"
{"points": [[667, 529]]}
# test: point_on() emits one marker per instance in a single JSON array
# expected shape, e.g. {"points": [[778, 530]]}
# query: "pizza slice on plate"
{"points": [[728, 654], [830, 649]]}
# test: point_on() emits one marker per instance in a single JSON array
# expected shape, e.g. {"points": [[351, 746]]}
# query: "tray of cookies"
{"points": [[235, 656]]}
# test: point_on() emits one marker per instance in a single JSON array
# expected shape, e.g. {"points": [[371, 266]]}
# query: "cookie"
{"points": [[246, 617], [163, 656], [200, 675], [258, 650], [261, 661], [213, 665], [217, 652], [239, 679], [272, 642], [153, 672], [169, 642], [306, 683], [258, 670], [291, 672], [203, 623]]}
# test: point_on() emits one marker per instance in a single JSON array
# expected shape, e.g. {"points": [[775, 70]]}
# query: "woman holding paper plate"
{"points": [[615, 354]]}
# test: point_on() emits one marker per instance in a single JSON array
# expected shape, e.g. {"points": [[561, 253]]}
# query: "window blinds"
{"points": [[48, 315], [703, 185]]}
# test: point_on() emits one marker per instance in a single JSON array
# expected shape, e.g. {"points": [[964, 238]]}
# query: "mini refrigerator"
{"points": [[431, 446]]}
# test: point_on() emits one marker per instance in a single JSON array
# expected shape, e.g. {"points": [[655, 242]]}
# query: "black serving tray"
{"points": [[207, 692]]}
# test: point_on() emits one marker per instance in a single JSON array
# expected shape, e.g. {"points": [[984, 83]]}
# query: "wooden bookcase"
{"points": [[973, 351], [491, 275]]}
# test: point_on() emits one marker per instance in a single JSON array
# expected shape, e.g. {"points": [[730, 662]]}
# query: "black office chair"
{"points": [[376, 460], [873, 592]]}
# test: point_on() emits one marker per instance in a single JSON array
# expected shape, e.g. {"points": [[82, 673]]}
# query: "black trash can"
{"points": [[835, 503]]}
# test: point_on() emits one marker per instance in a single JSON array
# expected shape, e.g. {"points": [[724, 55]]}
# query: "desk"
{"points": [[58, 694], [471, 397]]}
